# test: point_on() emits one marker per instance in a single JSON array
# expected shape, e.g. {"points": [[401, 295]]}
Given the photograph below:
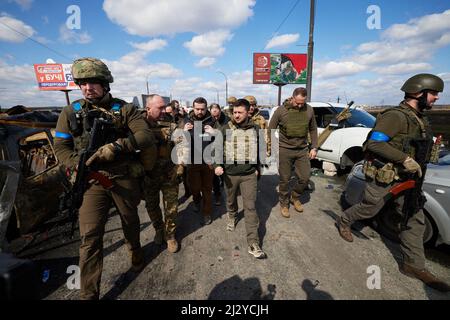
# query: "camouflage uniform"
{"points": [[162, 178], [72, 136], [259, 120]]}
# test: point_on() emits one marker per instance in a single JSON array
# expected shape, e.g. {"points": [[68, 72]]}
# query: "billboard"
{"points": [[54, 76], [282, 68]]}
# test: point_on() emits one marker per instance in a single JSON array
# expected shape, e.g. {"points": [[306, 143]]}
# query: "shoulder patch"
{"points": [[76, 106]]}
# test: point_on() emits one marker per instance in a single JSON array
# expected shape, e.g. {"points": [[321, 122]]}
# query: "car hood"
{"points": [[438, 175]]}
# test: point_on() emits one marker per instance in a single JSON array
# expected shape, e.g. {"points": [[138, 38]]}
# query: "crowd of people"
{"points": [[150, 153]]}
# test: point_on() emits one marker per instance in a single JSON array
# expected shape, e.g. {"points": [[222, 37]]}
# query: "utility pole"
{"points": [[226, 86], [310, 49]]}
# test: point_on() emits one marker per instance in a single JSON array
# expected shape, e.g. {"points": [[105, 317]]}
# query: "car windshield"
{"points": [[359, 118]]}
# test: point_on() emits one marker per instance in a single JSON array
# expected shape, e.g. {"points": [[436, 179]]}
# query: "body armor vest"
{"points": [[297, 123], [241, 145], [417, 129], [82, 118]]}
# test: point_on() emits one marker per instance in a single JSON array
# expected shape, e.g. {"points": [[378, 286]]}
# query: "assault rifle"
{"points": [[414, 199], [343, 115], [100, 132]]}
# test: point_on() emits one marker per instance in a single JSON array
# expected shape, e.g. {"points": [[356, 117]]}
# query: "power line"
{"points": [[284, 20], [39, 43], [280, 25]]}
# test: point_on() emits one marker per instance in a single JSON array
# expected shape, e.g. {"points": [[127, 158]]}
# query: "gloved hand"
{"points": [[105, 153], [412, 166]]}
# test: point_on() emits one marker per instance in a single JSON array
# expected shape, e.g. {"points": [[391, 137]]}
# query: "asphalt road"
{"points": [[307, 259]]}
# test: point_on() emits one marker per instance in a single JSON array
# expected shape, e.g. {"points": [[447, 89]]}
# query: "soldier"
{"points": [[230, 103], [395, 141], [114, 160], [241, 170], [163, 176], [295, 119], [259, 120]]}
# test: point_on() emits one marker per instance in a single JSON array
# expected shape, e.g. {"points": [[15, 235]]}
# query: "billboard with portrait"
{"points": [[279, 68]]}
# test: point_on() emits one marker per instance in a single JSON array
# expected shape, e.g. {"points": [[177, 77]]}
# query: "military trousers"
{"points": [[411, 240], [153, 185], [299, 158], [200, 177], [93, 212], [248, 186]]}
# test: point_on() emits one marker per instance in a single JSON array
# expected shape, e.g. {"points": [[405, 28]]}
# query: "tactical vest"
{"points": [[81, 120], [163, 134], [259, 120], [297, 123], [416, 129], [241, 145]]}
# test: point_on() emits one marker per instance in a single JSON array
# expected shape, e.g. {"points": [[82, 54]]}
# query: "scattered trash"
{"points": [[219, 258], [45, 275], [316, 172], [329, 187]]}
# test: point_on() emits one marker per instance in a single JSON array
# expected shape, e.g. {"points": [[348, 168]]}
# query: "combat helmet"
{"points": [[423, 81], [251, 100], [231, 101], [91, 68]]}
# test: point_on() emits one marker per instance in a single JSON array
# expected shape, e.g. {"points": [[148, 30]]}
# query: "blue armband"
{"points": [[379, 137], [62, 135]]}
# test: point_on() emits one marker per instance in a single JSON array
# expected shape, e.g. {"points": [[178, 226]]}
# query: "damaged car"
{"points": [[31, 177]]}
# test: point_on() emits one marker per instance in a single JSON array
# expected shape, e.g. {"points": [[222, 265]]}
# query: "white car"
{"points": [[344, 145]]}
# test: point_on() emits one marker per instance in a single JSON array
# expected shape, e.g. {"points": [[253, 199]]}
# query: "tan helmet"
{"points": [[231, 101], [91, 68], [251, 100]]}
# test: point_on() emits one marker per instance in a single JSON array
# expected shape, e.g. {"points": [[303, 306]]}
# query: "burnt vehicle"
{"points": [[31, 177]]}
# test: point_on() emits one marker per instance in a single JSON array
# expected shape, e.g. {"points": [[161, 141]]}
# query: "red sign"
{"points": [[282, 68], [54, 76]]}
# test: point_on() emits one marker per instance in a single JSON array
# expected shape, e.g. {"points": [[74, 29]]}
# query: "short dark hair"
{"points": [[200, 100], [214, 105], [302, 91], [242, 103], [173, 102]]}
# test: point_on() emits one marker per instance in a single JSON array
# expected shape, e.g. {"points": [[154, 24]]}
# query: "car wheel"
{"points": [[388, 223], [431, 231]]}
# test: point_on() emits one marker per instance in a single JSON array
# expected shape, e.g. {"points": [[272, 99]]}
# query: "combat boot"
{"points": [[297, 204], [137, 260], [159, 236], [217, 199], [285, 212], [172, 245], [344, 230], [426, 277]]}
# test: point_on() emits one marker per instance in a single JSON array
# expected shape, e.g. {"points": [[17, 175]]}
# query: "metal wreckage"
{"points": [[32, 180]]}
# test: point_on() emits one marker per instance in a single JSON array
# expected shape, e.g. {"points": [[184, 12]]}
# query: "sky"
{"points": [[363, 50]]}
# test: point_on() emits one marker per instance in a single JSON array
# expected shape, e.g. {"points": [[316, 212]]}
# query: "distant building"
{"points": [[130, 99]]}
